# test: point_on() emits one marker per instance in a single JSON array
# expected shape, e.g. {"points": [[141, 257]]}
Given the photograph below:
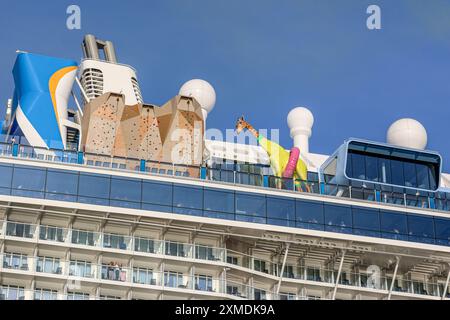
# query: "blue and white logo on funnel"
{"points": [[42, 90]]}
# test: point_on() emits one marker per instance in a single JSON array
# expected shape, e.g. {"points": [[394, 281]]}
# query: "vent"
{"points": [[137, 91], [92, 82]]}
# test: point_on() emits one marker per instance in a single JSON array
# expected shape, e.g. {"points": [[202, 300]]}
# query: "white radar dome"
{"points": [[202, 91], [300, 120], [407, 133]]}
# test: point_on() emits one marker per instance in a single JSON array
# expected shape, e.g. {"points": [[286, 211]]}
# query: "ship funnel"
{"points": [[92, 46]]}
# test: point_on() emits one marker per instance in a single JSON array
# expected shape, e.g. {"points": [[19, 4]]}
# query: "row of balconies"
{"points": [[20, 293], [73, 270], [201, 252]]}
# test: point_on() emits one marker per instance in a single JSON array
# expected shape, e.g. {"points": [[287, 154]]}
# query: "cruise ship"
{"points": [[106, 197]]}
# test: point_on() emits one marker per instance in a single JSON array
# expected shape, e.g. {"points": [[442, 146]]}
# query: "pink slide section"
{"points": [[292, 163]]}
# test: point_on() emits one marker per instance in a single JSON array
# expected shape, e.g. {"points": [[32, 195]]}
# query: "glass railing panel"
{"points": [[76, 296], [204, 283], [259, 294], [307, 186], [175, 280], [146, 276], [252, 179], [281, 183], [12, 293], [117, 241], [221, 175], [148, 245], [83, 269], [50, 233], [393, 198], [178, 249], [114, 272], [44, 294], [21, 230], [5, 149], [239, 259], [209, 253], [286, 296], [15, 261], [367, 280], [362, 193], [265, 266], [318, 274], [417, 287], [49, 265], [238, 289], [86, 238], [108, 298]]}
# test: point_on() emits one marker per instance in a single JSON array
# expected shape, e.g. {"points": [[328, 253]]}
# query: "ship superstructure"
{"points": [[119, 199]]}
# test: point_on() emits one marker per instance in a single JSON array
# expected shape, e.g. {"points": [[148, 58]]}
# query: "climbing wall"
{"points": [[171, 133], [100, 120], [138, 134], [181, 127]]}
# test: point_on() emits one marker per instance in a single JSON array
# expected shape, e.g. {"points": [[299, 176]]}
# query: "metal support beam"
{"points": [[282, 268], [393, 278], [444, 293], [80, 110], [338, 275], [86, 98]]}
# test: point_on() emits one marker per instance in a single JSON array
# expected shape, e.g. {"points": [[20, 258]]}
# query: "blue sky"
{"points": [[266, 57]]}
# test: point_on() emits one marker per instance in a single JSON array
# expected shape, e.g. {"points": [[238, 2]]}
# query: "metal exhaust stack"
{"points": [[91, 47]]}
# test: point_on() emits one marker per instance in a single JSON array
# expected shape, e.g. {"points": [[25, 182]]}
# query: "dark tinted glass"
{"points": [[29, 179], [432, 176], [371, 168], [349, 167], [280, 208], [157, 193], [367, 219], [309, 212], [409, 170], [358, 166], [5, 176], [397, 173], [126, 189], [62, 182], [188, 197], [442, 227], [384, 170], [393, 222], [336, 215], [96, 186], [219, 200], [420, 226], [422, 176], [250, 204]]}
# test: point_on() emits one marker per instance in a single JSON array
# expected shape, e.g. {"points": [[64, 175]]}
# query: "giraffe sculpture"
{"points": [[284, 164]]}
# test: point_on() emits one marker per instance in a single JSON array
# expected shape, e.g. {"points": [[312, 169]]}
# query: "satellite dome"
{"points": [[407, 133], [202, 91], [300, 117], [300, 120]]}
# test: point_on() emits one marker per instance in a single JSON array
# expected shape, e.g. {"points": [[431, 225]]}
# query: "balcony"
{"points": [[114, 272], [117, 241], [15, 261], [20, 230], [12, 293], [49, 233]]}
